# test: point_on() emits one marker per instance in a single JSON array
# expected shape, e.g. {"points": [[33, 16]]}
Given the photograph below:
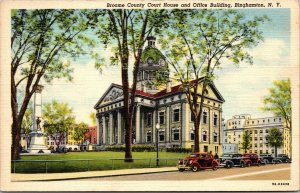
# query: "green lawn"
{"points": [[93, 161]]}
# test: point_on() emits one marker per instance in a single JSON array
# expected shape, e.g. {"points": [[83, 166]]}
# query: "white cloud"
{"points": [[245, 86], [84, 91]]}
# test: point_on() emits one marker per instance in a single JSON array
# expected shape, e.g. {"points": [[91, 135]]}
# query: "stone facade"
{"points": [[258, 129]]}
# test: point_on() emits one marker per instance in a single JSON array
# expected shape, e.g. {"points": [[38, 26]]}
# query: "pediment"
{"points": [[113, 93]]}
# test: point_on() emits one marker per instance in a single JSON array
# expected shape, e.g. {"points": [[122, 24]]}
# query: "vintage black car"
{"points": [[267, 158], [283, 158], [229, 160]]}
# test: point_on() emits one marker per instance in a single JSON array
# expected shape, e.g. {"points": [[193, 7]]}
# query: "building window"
{"points": [[225, 140], [215, 137], [175, 134], [239, 136], [215, 119], [149, 119], [148, 137], [161, 135], [192, 135], [260, 131], [255, 132], [267, 131], [176, 115], [204, 136], [192, 117], [162, 117], [204, 117]]}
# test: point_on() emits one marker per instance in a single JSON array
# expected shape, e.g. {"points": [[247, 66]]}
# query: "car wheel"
{"points": [[242, 165], [266, 161], [194, 168], [228, 165], [258, 163], [215, 166]]}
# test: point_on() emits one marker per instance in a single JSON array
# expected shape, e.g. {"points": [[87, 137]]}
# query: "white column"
{"points": [[183, 125], [98, 130], [119, 128], [154, 121], [110, 128], [137, 124], [168, 117], [104, 136], [142, 128]]}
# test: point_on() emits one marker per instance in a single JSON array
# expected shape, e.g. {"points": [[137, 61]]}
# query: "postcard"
{"points": [[149, 95]]}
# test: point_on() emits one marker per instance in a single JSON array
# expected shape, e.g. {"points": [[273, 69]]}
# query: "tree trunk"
{"points": [[196, 146], [16, 138]]}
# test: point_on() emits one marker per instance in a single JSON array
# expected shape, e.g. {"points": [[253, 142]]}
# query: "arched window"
{"points": [[215, 137]]}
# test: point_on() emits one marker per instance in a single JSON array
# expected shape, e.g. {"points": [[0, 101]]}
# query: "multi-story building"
{"points": [[226, 146], [258, 129], [52, 140], [168, 107], [91, 135]]}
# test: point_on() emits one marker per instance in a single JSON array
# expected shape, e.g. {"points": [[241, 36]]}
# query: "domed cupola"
{"points": [[153, 66]]}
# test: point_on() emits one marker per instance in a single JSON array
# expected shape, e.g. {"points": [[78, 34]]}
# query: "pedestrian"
{"points": [[216, 156]]}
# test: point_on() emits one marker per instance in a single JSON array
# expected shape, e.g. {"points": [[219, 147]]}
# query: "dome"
{"points": [[151, 53]]}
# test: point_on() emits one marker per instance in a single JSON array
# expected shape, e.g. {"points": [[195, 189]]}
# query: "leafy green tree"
{"points": [[58, 119], [279, 100], [40, 40], [27, 123], [79, 131], [93, 118], [275, 139], [246, 141], [199, 41], [125, 32], [279, 103]]}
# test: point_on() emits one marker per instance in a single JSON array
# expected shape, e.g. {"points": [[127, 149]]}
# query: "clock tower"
{"points": [[153, 68]]}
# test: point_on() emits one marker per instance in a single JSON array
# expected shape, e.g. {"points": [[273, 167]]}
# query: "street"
{"points": [[265, 172]]}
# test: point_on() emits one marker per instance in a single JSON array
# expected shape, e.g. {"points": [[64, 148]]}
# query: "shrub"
{"points": [[179, 150], [135, 148]]}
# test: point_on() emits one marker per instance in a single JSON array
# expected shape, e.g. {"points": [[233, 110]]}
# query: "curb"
{"points": [[96, 176]]}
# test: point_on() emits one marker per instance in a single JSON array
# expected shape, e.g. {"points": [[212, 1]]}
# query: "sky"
{"points": [[242, 87]]}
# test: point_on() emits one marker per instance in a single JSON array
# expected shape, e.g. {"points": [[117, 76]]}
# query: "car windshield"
{"points": [[226, 155], [194, 155]]}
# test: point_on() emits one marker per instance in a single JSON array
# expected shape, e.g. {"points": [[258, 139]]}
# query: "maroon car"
{"points": [[251, 159], [198, 161]]}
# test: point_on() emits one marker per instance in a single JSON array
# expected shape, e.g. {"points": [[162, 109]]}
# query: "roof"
{"points": [[162, 93]]}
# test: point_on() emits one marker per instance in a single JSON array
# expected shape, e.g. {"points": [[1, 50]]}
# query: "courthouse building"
{"points": [[258, 129], [167, 106]]}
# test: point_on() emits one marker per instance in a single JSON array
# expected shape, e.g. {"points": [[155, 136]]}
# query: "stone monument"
{"points": [[37, 143]]}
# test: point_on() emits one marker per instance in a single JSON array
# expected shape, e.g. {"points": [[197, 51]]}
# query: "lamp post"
{"points": [[157, 126]]}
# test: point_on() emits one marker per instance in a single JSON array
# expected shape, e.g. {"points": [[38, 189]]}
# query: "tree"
{"points": [[279, 100], [79, 131], [279, 103], [246, 141], [199, 41], [58, 119], [126, 31], [93, 118], [275, 139], [27, 124], [41, 39]]}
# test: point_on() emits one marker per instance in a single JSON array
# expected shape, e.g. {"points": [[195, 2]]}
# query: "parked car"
{"points": [[251, 159], [198, 161], [283, 158], [267, 158], [229, 160]]}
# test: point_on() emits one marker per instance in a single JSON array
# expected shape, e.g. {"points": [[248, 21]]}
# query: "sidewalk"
{"points": [[88, 174]]}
